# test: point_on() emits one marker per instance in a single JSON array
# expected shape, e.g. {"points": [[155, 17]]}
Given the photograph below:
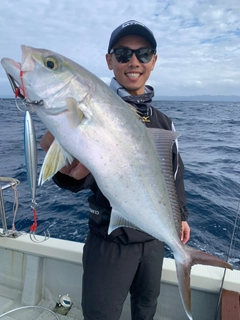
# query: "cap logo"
{"points": [[131, 22]]}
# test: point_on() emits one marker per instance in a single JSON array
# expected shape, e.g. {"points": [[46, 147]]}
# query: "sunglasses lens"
{"points": [[144, 55], [124, 55]]}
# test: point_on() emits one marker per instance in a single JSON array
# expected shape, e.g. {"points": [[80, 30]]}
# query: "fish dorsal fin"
{"points": [[55, 159], [117, 221], [163, 140]]}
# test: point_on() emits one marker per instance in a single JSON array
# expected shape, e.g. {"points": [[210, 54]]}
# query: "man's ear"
{"points": [[109, 61], [154, 61]]}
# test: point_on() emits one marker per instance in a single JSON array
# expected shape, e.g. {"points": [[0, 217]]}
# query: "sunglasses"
{"points": [[124, 55]]}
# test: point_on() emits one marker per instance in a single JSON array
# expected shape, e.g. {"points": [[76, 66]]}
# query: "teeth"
{"points": [[133, 75]]}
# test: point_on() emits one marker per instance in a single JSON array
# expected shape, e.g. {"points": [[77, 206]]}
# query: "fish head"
{"points": [[45, 75]]}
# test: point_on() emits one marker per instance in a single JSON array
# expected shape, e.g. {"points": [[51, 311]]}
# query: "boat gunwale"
{"points": [[206, 278]]}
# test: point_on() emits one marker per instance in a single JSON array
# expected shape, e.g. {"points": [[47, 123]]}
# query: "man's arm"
{"points": [[179, 183], [185, 232]]}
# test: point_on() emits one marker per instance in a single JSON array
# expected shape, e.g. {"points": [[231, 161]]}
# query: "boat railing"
{"points": [[6, 183]]}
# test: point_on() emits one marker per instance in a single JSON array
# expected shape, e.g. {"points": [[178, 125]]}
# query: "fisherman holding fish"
{"points": [[132, 167], [126, 260]]}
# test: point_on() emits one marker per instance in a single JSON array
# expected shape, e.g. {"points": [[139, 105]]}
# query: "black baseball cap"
{"points": [[132, 27]]}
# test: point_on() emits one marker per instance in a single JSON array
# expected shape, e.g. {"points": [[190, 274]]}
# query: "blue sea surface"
{"points": [[209, 146]]}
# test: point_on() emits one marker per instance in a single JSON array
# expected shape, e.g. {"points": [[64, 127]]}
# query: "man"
{"points": [[127, 260]]}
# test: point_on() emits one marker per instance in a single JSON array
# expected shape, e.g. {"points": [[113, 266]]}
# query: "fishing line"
{"points": [[229, 251], [28, 307]]}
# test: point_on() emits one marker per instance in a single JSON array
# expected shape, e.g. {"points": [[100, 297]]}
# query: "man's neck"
{"points": [[118, 88], [141, 102]]}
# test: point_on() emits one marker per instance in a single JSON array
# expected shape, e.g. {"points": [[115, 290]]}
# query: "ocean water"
{"points": [[209, 146]]}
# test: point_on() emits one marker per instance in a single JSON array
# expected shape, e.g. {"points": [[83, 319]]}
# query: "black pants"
{"points": [[111, 270]]}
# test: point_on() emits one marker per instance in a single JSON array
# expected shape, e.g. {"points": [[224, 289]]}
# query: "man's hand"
{"points": [[46, 141], [185, 232], [75, 170]]}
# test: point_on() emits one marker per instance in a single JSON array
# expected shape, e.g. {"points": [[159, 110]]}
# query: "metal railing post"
{"points": [[2, 212], [8, 183]]}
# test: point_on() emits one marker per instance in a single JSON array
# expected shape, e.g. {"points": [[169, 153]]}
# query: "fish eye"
{"points": [[51, 63]]}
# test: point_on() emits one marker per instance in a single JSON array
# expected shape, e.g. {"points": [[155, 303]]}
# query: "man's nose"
{"points": [[134, 60]]}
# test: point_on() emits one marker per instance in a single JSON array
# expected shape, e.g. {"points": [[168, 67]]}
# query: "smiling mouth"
{"points": [[133, 75]]}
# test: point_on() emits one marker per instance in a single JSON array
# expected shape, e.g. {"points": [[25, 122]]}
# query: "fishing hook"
{"points": [[32, 236], [17, 92], [16, 88], [33, 228]]}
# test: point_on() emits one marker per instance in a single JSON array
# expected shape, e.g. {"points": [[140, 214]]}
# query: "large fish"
{"points": [[131, 164]]}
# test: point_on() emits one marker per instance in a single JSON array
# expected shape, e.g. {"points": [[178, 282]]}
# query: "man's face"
{"points": [[131, 75]]}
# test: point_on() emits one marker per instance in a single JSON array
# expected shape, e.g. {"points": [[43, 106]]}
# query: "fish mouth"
{"points": [[13, 69], [15, 87]]}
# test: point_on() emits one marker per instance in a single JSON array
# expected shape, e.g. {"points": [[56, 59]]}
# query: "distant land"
{"points": [[7, 97], [182, 98], [200, 98]]}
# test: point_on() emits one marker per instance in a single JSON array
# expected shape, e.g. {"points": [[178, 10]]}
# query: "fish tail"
{"points": [[183, 268]]}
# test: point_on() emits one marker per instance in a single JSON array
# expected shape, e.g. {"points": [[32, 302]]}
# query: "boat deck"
{"points": [[36, 274], [165, 310], [37, 313]]}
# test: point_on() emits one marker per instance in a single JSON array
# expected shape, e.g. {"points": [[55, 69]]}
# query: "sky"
{"points": [[198, 40]]}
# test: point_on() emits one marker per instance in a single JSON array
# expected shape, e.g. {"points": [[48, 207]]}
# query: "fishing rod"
{"points": [[229, 251]]}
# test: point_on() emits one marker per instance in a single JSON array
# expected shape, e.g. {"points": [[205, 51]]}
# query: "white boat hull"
{"points": [[37, 273]]}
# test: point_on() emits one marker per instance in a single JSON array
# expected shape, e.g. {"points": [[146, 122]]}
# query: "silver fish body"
{"points": [[131, 164]]}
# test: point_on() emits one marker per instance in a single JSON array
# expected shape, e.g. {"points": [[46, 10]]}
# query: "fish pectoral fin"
{"points": [[55, 159], [118, 221], [75, 115]]}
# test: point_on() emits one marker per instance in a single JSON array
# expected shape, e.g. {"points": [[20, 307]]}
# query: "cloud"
{"points": [[198, 40]]}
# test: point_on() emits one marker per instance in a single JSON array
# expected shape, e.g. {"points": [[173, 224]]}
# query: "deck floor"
{"points": [[36, 313], [75, 313]]}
